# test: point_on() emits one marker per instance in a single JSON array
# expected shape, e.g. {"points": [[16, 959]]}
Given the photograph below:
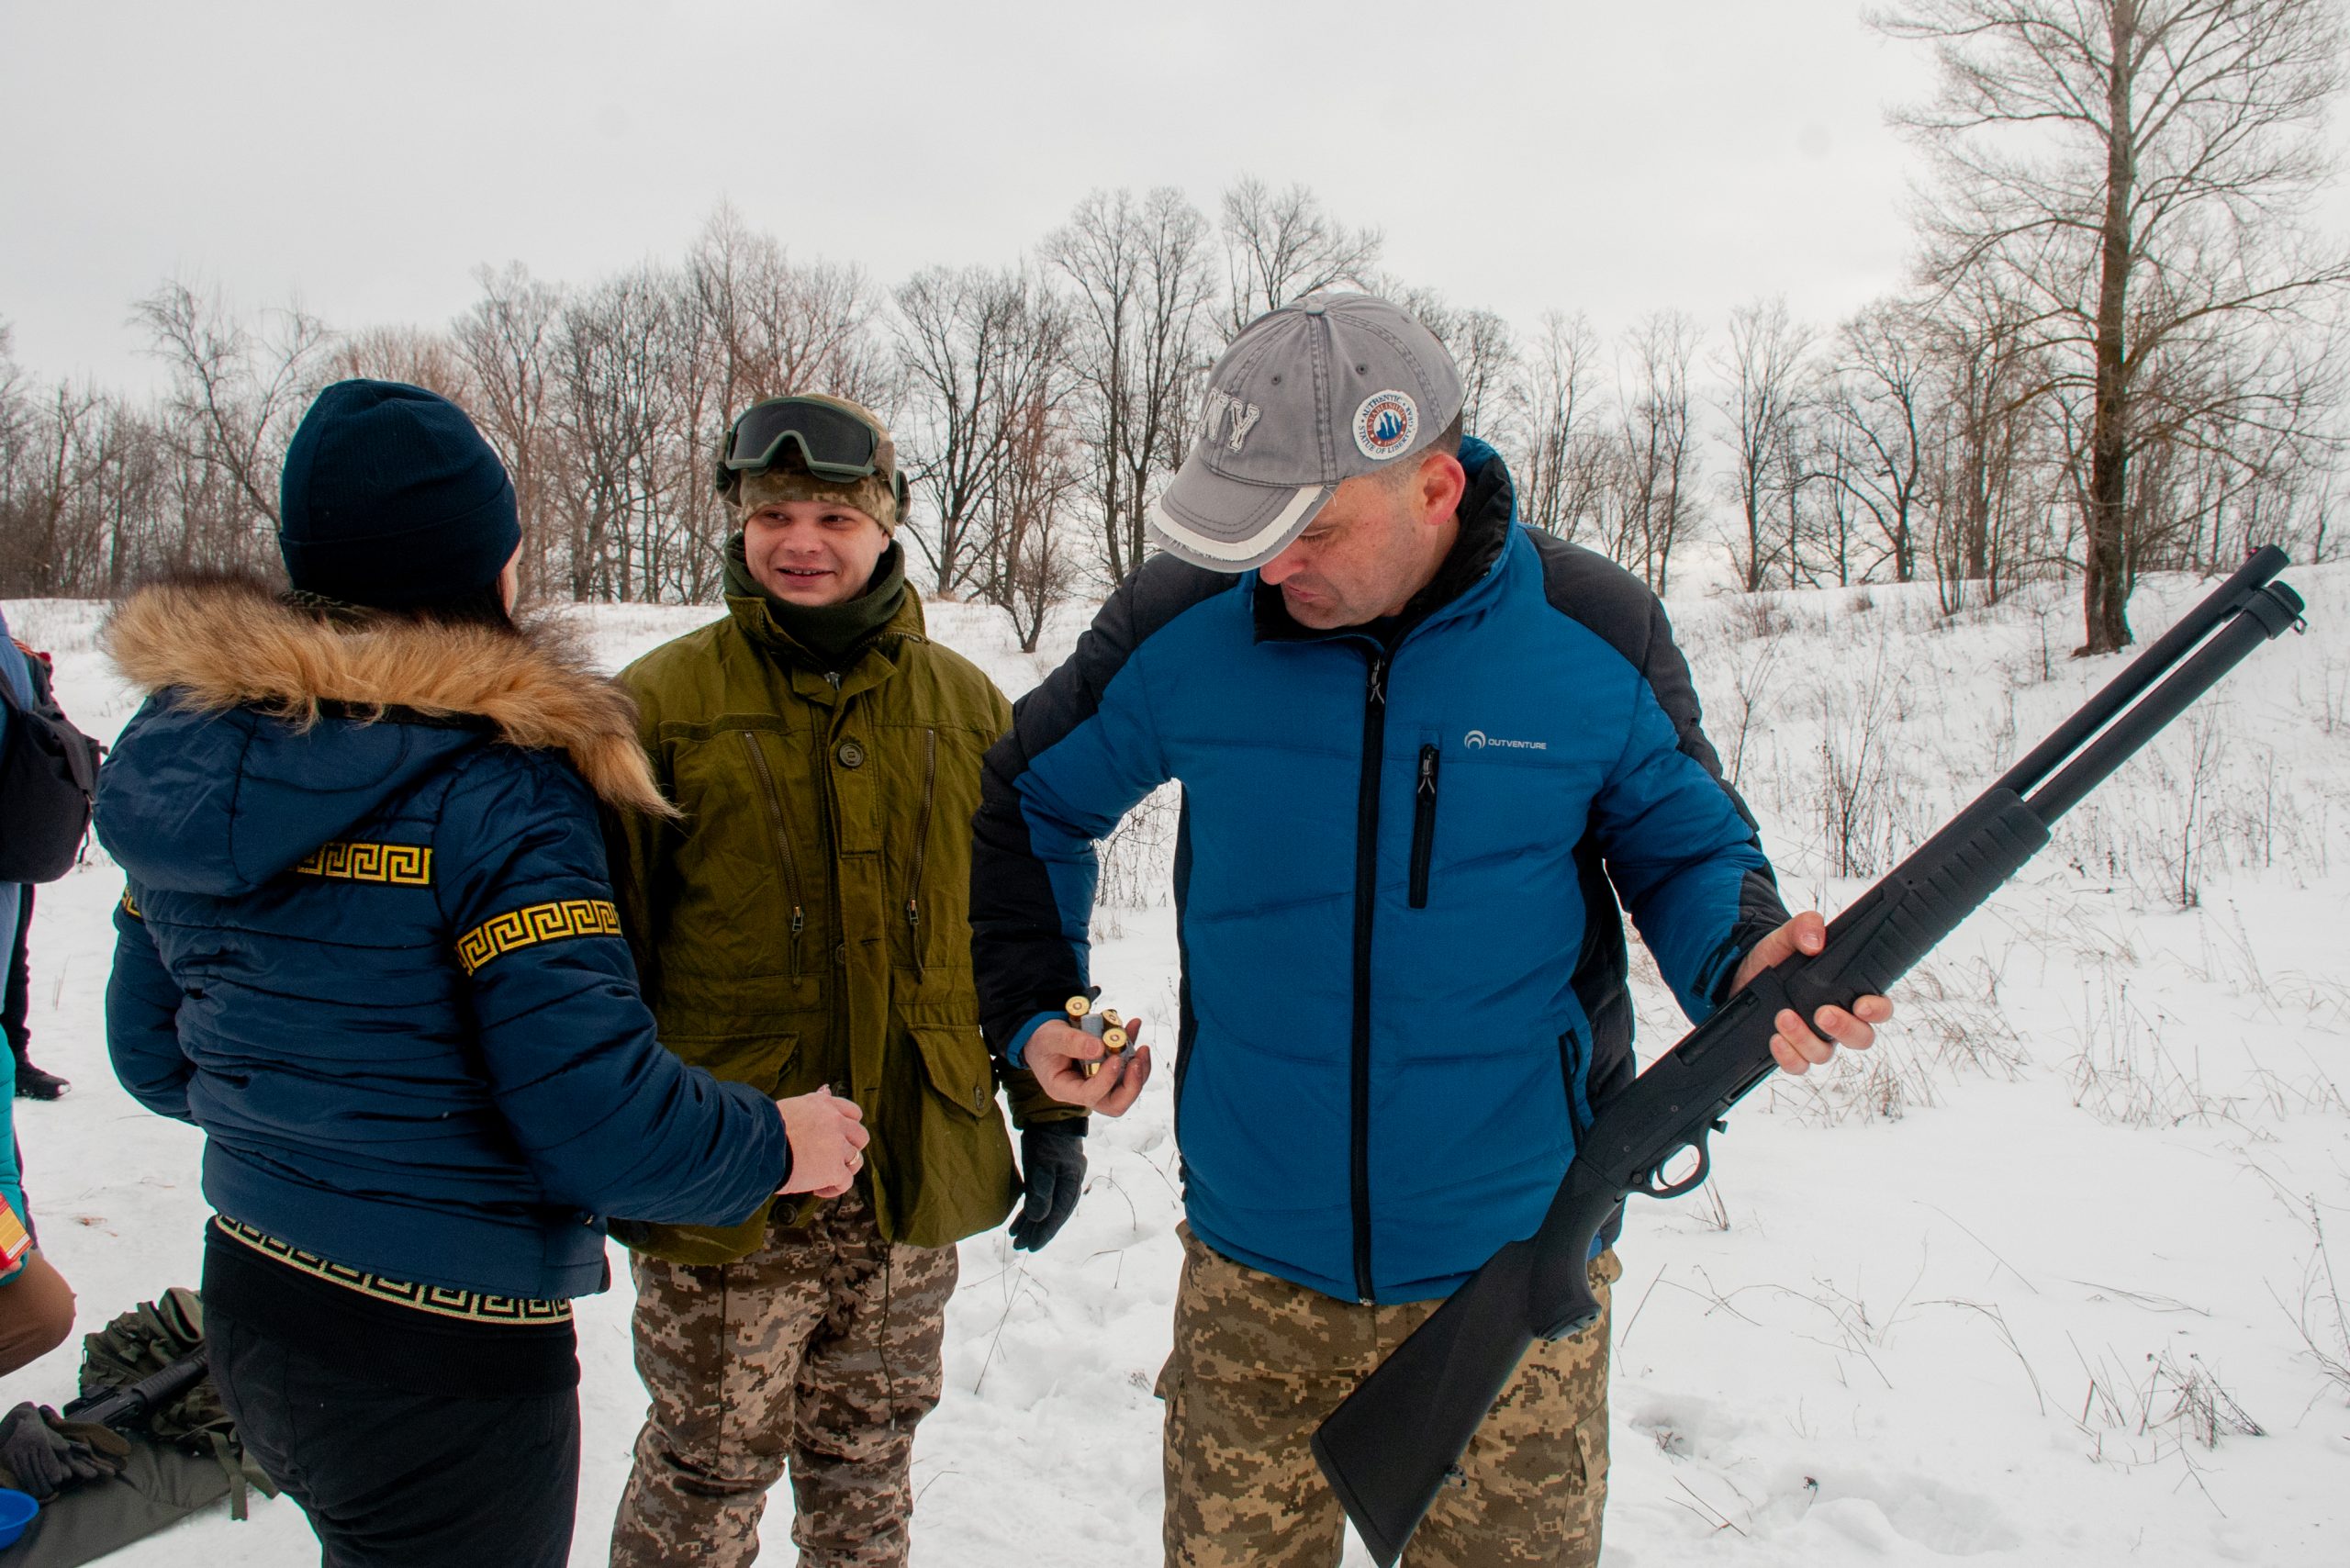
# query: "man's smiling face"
{"points": [[812, 552]]}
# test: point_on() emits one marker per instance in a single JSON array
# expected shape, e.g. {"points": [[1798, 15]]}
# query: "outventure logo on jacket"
{"points": [[1396, 881]]}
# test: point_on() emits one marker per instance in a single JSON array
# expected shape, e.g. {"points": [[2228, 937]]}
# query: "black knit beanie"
{"points": [[390, 497]]}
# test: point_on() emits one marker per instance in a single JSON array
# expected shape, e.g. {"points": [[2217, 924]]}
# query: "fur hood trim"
{"points": [[225, 644]]}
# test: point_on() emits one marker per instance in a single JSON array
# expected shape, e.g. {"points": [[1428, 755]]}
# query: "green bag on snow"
{"points": [[184, 1456]]}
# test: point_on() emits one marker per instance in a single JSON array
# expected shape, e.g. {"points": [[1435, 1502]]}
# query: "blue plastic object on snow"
{"points": [[17, 1511]]}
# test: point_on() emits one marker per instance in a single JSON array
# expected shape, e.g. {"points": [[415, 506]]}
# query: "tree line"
{"points": [[2114, 356]]}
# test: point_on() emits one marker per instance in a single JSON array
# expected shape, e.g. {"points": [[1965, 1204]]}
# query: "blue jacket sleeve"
{"points": [[1679, 857], [142, 1018], [1083, 752], [1679, 844], [610, 1121]]}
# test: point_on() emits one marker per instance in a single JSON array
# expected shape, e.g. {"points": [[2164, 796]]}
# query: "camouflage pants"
{"points": [[1260, 1362], [820, 1352]]}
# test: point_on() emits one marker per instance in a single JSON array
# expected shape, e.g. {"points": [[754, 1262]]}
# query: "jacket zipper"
{"points": [[782, 841], [1374, 747], [921, 843], [1423, 826]]}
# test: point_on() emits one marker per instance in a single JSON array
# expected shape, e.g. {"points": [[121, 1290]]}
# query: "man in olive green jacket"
{"points": [[805, 927]]}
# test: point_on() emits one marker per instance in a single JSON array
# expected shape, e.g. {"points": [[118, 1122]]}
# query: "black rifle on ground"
{"points": [[125, 1407], [1393, 1444]]}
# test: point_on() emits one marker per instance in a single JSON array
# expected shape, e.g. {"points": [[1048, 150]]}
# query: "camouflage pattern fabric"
{"points": [[871, 495], [1260, 1362], [820, 1353]]}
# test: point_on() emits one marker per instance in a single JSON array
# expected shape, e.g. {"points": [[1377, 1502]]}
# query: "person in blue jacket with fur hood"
{"points": [[368, 945]]}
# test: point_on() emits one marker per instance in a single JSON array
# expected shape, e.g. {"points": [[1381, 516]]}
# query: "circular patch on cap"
{"points": [[1385, 425]]}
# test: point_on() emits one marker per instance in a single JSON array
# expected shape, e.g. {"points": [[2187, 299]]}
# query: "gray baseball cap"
{"points": [[1324, 389]]}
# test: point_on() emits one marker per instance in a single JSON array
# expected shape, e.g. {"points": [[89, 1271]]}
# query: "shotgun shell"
{"points": [[1091, 1023], [1078, 1007]]}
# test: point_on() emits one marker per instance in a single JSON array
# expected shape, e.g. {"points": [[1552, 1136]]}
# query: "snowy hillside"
{"points": [[2045, 1278]]}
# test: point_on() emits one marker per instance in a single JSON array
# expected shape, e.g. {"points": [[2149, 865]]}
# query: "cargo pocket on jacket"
{"points": [[941, 1157], [955, 1059]]}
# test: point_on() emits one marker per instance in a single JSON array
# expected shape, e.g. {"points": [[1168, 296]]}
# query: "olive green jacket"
{"points": [[807, 921]]}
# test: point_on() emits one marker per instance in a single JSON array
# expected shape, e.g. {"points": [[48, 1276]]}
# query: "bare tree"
{"points": [[1566, 451], [2138, 169], [1140, 270], [605, 403], [83, 506], [1041, 473], [975, 347], [1995, 409], [615, 373], [1280, 247], [237, 388], [129, 531], [1876, 413], [55, 466], [1657, 468], [508, 341], [1762, 370], [774, 326], [408, 354]]}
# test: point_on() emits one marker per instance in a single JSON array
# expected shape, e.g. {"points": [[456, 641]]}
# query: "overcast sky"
{"points": [[1606, 157]]}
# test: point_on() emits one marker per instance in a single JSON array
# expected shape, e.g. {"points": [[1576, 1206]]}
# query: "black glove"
{"points": [[1052, 1167], [41, 1452], [27, 1455], [93, 1451]]}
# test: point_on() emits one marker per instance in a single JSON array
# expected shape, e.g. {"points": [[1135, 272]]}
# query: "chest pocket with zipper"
{"points": [[744, 896], [933, 796], [1424, 799], [780, 833], [920, 857]]}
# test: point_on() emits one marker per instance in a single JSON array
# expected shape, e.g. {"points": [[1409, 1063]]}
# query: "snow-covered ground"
{"points": [[2045, 1278]]}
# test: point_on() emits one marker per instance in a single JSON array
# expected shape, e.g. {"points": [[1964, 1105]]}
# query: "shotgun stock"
{"points": [[1399, 1436]]}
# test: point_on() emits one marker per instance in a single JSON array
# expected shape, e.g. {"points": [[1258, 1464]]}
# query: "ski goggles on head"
{"points": [[832, 443]]}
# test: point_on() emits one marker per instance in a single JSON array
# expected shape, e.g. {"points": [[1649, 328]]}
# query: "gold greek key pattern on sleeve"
{"points": [[401, 864], [475, 1307], [535, 923]]}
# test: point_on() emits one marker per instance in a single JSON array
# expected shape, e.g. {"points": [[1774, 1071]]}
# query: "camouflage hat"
{"points": [[875, 495]]}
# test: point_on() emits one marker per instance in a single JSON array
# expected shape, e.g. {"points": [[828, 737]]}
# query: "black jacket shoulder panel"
{"points": [[1614, 605], [1154, 594], [1024, 960], [1622, 612]]}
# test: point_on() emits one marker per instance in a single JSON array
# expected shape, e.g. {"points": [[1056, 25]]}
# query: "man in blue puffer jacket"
{"points": [[369, 945], [1424, 752]]}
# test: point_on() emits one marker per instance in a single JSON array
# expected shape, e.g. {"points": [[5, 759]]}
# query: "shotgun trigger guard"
{"points": [[1654, 1184]]}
